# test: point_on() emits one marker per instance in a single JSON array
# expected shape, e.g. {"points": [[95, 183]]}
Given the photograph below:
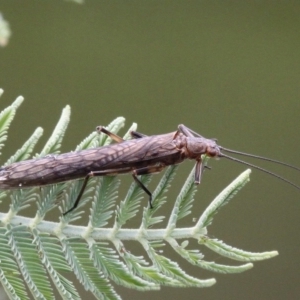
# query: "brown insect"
{"points": [[138, 156]]}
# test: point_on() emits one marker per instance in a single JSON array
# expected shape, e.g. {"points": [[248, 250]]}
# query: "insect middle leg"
{"points": [[118, 139], [141, 171], [137, 135], [144, 171]]}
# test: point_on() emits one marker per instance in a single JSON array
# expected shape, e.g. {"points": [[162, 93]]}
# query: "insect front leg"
{"points": [[187, 131], [199, 171], [191, 133]]}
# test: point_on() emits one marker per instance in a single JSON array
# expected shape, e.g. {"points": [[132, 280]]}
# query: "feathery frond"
{"points": [[35, 251]]}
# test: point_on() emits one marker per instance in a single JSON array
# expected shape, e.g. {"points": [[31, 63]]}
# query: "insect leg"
{"points": [[187, 131], [141, 171], [111, 172], [115, 137], [199, 171], [144, 171], [137, 135], [85, 181], [118, 139], [144, 188]]}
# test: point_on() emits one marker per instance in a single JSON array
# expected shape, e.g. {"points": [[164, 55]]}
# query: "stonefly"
{"points": [[138, 156]]}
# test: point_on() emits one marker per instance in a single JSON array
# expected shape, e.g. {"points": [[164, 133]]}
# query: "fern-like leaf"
{"points": [[6, 117], [9, 272], [39, 251], [30, 264], [54, 142]]}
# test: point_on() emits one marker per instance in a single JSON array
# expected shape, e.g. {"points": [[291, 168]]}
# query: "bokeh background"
{"points": [[227, 69]]}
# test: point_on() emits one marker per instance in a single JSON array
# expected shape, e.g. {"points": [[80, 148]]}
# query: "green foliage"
{"points": [[35, 256], [5, 31]]}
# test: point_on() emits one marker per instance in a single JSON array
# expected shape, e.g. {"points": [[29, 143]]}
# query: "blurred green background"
{"points": [[227, 69]]}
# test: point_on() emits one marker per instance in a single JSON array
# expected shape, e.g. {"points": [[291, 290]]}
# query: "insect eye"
{"points": [[212, 151]]}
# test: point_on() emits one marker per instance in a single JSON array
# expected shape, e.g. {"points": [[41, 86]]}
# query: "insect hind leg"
{"points": [[118, 139], [113, 136]]}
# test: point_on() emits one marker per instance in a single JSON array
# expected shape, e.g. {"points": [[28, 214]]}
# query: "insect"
{"points": [[139, 156]]}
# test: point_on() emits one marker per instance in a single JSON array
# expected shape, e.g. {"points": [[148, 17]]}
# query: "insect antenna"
{"points": [[260, 168], [261, 158]]}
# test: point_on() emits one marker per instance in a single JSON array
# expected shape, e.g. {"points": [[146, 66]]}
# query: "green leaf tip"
{"points": [[5, 31], [223, 198], [54, 143], [18, 102]]}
